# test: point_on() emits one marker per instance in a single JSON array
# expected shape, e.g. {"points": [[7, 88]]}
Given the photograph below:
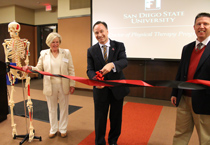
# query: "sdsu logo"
{"points": [[152, 5]]}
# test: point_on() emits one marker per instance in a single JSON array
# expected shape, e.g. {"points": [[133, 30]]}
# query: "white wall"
{"points": [[7, 14], [65, 12], [24, 15], [28, 16], [44, 17]]}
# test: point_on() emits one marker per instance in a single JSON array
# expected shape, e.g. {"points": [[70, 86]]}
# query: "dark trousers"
{"points": [[104, 103]]}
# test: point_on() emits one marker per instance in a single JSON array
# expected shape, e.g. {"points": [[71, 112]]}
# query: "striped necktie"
{"points": [[199, 46], [105, 53]]}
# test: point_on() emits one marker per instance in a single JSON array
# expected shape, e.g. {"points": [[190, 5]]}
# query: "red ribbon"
{"points": [[99, 81]]}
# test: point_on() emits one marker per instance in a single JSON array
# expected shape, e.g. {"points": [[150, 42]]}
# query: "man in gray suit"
{"points": [[109, 57]]}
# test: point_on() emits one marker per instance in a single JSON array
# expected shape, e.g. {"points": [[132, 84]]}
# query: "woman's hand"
{"points": [[26, 67]]}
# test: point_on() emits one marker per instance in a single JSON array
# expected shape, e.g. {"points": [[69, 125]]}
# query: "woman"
{"points": [[56, 61]]}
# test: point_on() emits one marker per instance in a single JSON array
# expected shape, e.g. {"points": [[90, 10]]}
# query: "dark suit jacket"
{"points": [[200, 98], [96, 62]]}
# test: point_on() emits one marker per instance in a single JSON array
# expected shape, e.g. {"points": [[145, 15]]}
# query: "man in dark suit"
{"points": [[193, 106], [110, 62]]}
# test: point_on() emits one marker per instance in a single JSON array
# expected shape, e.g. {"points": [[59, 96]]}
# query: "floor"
{"points": [[81, 122]]}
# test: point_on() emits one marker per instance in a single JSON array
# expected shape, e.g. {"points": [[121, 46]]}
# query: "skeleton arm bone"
{"points": [[27, 51]]}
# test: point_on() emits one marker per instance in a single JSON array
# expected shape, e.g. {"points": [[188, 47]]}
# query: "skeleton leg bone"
{"points": [[12, 104], [30, 110]]}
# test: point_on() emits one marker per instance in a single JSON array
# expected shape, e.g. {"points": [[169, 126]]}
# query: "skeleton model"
{"points": [[16, 50]]}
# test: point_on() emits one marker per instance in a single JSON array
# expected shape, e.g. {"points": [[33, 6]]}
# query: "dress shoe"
{"points": [[63, 135], [52, 135]]}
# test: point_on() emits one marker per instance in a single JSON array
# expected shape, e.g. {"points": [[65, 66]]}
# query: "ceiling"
{"points": [[31, 4]]}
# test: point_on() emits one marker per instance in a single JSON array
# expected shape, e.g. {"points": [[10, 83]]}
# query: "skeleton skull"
{"points": [[14, 29]]}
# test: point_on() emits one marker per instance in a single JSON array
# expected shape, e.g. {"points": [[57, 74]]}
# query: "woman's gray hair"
{"points": [[51, 37]]}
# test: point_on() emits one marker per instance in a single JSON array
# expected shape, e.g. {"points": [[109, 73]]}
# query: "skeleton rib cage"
{"points": [[17, 52]]}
